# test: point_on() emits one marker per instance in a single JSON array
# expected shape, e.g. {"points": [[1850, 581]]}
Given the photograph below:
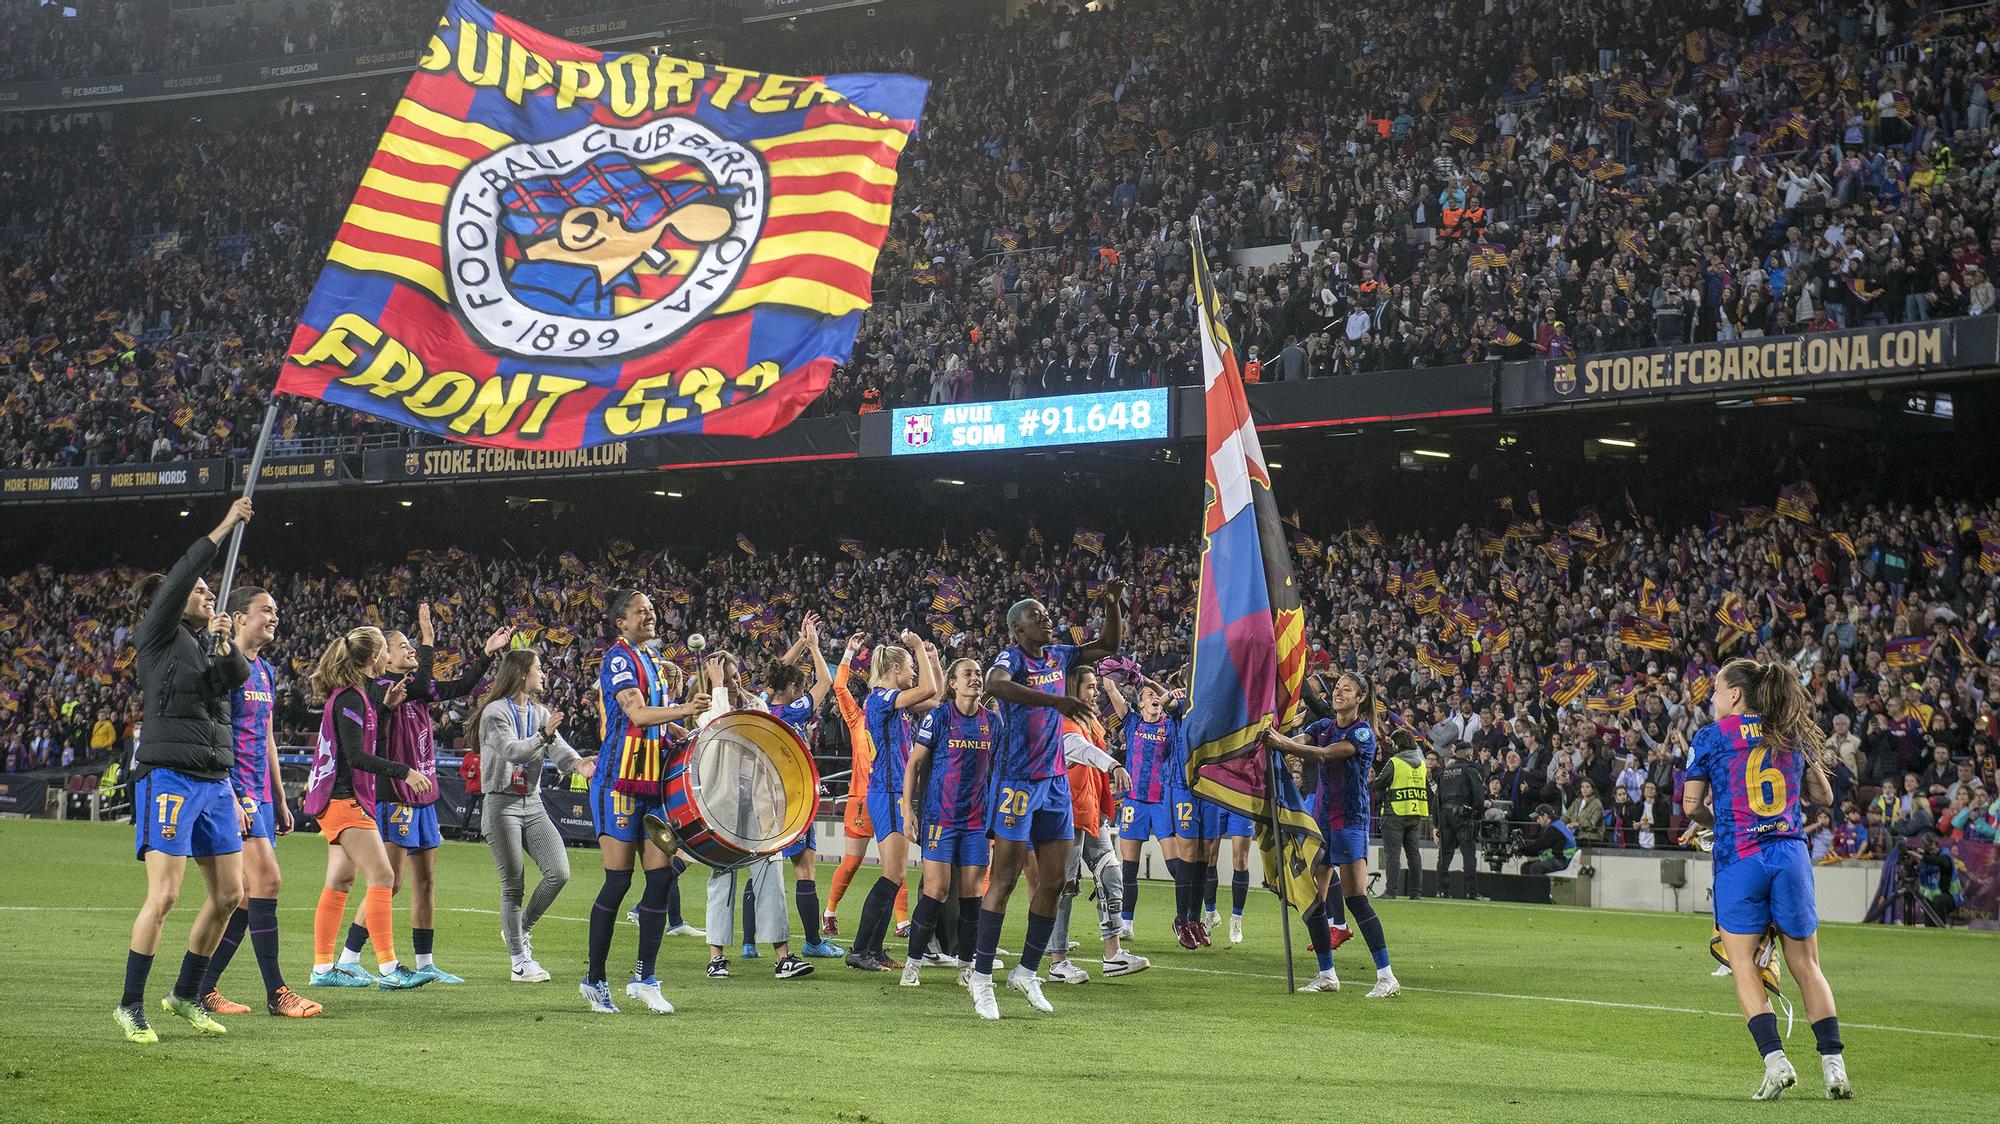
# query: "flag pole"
{"points": [[1271, 767], [249, 490]]}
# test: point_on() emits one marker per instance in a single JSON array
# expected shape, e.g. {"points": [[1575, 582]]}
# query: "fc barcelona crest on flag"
{"points": [[556, 247]]}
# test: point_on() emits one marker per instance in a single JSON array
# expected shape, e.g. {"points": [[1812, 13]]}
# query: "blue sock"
{"points": [[192, 967], [652, 920], [1039, 928], [674, 918], [264, 942], [987, 940], [357, 937], [1316, 934], [968, 928], [138, 965], [604, 919], [1209, 884], [232, 938], [1827, 1033], [1131, 889], [421, 939], [1764, 1031], [1176, 869], [924, 923], [1371, 928], [805, 894], [1239, 891], [1335, 915]]}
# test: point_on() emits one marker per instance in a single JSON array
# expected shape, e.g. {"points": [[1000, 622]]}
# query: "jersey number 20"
{"points": [[1764, 783]]}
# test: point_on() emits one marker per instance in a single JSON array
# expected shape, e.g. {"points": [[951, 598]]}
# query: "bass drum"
{"points": [[744, 789]]}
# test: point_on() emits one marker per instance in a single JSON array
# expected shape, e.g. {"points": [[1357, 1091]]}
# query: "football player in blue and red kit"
{"points": [[797, 703], [945, 788], [1031, 800], [1343, 746], [1746, 773]]}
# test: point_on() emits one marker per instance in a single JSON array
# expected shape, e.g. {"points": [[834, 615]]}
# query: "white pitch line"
{"points": [[1566, 999], [1601, 1003]]}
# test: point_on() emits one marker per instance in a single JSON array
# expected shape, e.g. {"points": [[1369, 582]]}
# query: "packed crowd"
{"points": [[1456, 185], [107, 38], [1574, 657]]}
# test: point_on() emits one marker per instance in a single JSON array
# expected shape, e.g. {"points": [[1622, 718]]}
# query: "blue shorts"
{"points": [[807, 842], [413, 827], [1344, 844], [1195, 818], [1141, 820], [622, 815], [1770, 886], [1028, 811], [176, 814], [264, 822], [959, 846], [885, 813], [1238, 826]]}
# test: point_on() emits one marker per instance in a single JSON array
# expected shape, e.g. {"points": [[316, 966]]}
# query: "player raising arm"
{"points": [[1762, 749]]}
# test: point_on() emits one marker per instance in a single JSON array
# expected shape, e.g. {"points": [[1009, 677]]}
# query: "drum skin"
{"points": [[695, 823]]}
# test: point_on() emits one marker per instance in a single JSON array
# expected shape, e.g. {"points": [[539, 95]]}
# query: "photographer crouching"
{"points": [[1553, 847]]}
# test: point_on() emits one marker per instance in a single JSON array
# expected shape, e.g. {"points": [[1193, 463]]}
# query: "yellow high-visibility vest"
{"points": [[1409, 794]]}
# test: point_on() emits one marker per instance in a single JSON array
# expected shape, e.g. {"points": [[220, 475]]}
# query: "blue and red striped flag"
{"points": [[556, 247], [1249, 649]]}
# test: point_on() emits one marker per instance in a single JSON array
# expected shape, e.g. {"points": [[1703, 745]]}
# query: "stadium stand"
{"points": [[1438, 190]]}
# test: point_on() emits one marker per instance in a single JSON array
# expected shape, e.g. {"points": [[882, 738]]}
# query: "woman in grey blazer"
{"points": [[516, 735]]}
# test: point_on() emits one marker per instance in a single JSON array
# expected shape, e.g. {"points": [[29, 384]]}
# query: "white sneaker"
{"points": [[1125, 931], [983, 1001], [1072, 946], [648, 992], [1835, 1069], [1030, 985], [685, 930], [911, 976], [1722, 970], [1211, 919], [632, 916], [527, 971], [965, 976], [1778, 1077], [1124, 964], [1066, 972], [1386, 987], [1325, 981], [902, 928], [998, 963], [1235, 929]]}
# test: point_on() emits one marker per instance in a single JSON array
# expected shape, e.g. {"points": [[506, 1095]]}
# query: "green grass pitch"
{"points": [[1509, 1013]]}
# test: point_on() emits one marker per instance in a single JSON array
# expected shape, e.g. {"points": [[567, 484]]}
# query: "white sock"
{"points": [[423, 959], [322, 967], [349, 956], [384, 967], [1385, 973], [1772, 1059]]}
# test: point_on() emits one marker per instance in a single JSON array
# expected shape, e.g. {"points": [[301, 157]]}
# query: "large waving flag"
{"points": [[556, 247], [1249, 651]]}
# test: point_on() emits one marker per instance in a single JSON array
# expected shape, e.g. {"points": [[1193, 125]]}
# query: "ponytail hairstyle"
{"points": [[240, 598], [889, 659], [782, 677], [509, 673], [1775, 694], [615, 604], [345, 661]]}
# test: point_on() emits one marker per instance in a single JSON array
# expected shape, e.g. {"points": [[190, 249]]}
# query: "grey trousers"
{"points": [[1399, 840], [767, 893], [1095, 854], [514, 824]]}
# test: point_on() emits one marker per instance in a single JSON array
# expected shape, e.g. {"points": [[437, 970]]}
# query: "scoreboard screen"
{"points": [[1031, 423]]}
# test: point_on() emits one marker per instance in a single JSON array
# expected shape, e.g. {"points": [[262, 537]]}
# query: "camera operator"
{"points": [[1461, 790], [1553, 847]]}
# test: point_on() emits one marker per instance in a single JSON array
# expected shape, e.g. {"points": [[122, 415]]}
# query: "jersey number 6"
{"points": [[1764, 784]]}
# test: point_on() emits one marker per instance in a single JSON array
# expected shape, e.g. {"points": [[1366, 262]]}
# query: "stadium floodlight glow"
{"points": [[659, 493], [184, 515], [953, 483], [1277, 464], [407, 503], [1618, 442], [1438, 453]]}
